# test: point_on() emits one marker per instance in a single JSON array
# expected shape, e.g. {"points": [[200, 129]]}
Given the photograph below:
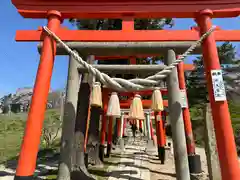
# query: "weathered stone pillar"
{"points": [[150, 145], [176, 120], [69, 117], [214, 170]]}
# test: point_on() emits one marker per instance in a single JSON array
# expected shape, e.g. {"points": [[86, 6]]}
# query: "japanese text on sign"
{"points": [[218, 85]]}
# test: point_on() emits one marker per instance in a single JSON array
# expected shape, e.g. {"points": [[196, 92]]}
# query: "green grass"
{"points": [[51, 177], [197, 118], [11, 133], [12, 130]]}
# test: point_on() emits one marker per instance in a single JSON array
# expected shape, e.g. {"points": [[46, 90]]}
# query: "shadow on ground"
{"points": [[46, 164], [116, 174], [140, 167]]}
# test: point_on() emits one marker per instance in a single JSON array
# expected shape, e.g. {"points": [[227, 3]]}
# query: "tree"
{"points": [[226, 53], [5, 102], [102, 24], [116, 24], [196, 84], [197, 91], [51, 128]]}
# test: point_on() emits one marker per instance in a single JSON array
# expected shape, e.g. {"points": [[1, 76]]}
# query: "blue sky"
{"points": [[20, 60]]}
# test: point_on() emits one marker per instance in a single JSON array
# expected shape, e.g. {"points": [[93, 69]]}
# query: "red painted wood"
{"points": [[159, 129], [145, 103], [33, 130], [151, 128], [121, 8], [118, 127], [123, 36], [124, 126], [185, 112], [226, 146], [104, 117], [146, 92], [110, 130]]}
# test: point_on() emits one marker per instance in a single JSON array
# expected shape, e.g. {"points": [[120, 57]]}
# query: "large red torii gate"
{"points": [[57, 10]]}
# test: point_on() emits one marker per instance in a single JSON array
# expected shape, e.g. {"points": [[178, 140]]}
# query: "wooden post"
{"points": [[177, 125], [140, 126], [185, 111], [121, 141], [104, 124], [151, 129], [110, 134], [164, 117], [210, 145], [124, 127], [69, 117], [193, 158], [226, 146], [160, 136], [119, 127], [33, 130]]}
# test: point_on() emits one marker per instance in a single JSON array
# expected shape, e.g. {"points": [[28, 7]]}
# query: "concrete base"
{"points": [[109, 148], [195, 164], [150, 147], [101, 152], [23, 177], [161, 154], [86, 159]]}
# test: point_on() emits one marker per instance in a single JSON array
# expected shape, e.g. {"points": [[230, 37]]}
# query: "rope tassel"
{"points": [[157, 101], [114, 106], [136, 108], [96, 96]]}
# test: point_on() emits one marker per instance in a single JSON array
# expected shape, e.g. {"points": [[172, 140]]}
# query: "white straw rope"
{"points": [[120, 84]]}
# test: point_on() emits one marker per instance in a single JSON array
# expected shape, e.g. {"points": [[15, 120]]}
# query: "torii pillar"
{"points": [[176, 120], [193, 158], [31, 140], [221, 118]]}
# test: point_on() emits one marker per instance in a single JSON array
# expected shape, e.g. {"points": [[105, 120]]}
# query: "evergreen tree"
{"points": [[196, 84], [116, 24]]}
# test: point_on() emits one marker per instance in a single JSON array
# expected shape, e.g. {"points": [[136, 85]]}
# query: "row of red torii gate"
{"points": [[57, 10]]}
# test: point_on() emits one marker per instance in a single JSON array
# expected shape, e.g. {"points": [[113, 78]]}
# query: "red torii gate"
{"points": [[57, 10]]}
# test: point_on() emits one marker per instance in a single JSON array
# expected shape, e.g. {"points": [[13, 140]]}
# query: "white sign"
{"points": [[183, 96], [218, 85]]}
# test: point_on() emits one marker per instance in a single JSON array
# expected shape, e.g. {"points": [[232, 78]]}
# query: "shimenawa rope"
{"points": [[137, 84]]}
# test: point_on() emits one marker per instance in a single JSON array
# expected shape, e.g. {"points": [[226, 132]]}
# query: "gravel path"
{"points": [[167, 171], [134, 162]]}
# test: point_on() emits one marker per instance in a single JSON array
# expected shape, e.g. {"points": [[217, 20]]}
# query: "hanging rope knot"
{"points": [[120, 84]]}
